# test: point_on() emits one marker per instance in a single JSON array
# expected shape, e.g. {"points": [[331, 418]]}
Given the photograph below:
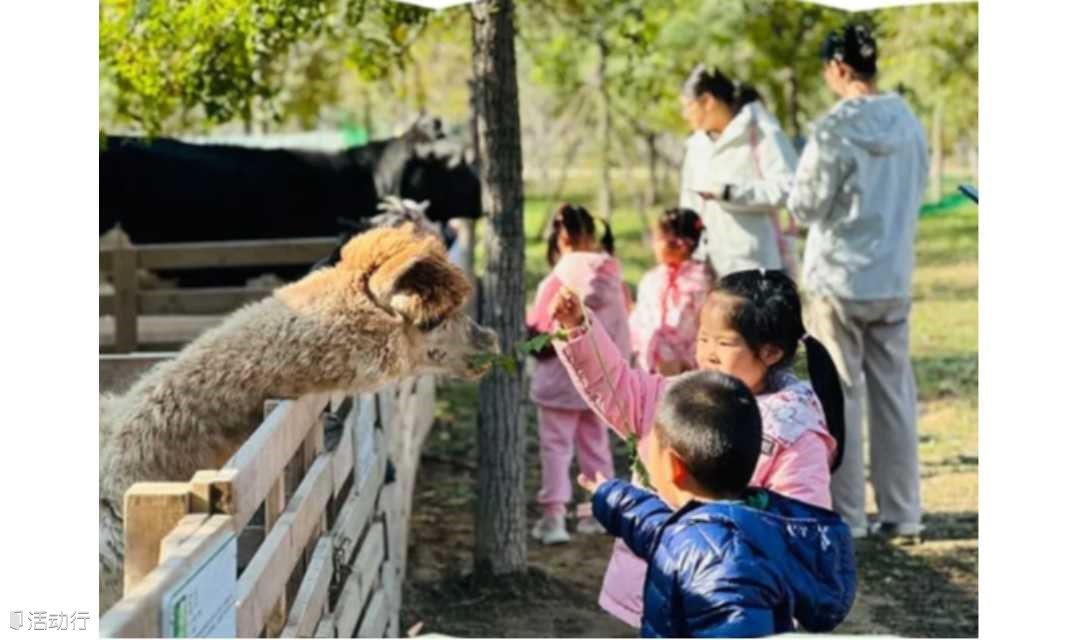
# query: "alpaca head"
{"points": [[407, 273]]}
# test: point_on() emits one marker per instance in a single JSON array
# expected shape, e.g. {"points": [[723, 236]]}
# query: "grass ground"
{"points": [[929, 589]]}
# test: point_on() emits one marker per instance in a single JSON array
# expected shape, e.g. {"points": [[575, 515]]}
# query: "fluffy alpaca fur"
{"points": [[391, 308]]}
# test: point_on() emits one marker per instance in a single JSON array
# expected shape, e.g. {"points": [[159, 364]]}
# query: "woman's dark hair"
{"points": [[854, 46], [765, 309], [682, 224], [578, 223], [734, 94], [713, 422]]}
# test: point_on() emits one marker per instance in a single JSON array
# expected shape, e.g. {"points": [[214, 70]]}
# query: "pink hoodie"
{"points": [[597, 279], [795, 454], [664, 323]]}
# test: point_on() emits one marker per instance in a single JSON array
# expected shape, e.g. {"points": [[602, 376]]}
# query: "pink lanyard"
{"points": [[757, 166], [672, 290]]}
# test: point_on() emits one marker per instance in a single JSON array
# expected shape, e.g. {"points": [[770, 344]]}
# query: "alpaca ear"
{"points": [[423, 287]]}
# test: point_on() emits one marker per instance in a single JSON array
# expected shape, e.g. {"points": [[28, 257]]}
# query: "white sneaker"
{"points": [[590, 526], [551, 530]]}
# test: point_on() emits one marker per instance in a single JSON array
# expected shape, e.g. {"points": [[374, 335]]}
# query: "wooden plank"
{"points": [[245, 479], [138, 615], [263, 582], [106, 305], [124, 300], [365, 571], [387, 399], [205, 302], [275, 505], [326, 628], [397, 540], [311, 598], [392, 586], [341, 460], [373, 624], [188, 526], [236, 253], [368, 484], [151, 511]]}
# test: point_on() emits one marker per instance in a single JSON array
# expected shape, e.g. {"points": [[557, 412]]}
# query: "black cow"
{"points": [[164, 190]]}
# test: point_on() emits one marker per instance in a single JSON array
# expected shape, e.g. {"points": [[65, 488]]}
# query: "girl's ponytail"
{"points": [[826, 382], [768, 311], [607, 241]]}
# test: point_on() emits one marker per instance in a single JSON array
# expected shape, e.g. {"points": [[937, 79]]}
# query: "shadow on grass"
{"points": [[947, 375], [930, 590]]}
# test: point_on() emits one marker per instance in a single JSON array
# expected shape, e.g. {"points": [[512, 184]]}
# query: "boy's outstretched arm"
{"points": [[633, 514], [624, 397]]}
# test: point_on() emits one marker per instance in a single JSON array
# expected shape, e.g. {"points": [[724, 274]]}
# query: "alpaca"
{"points": [[391, 308]]}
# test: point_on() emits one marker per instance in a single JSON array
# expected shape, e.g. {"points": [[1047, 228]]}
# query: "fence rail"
{"points": [[313, 521], [127, 303]]}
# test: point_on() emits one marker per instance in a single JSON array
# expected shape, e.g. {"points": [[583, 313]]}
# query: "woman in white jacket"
{"points": [[738, 168]]}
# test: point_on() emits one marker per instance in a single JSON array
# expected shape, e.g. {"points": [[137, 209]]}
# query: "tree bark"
{"points": [[499, 546], [653, 195], [606, 203]]}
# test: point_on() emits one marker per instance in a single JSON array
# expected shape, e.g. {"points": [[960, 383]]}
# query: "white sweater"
{"points": [[756, 158], [858, 186]]}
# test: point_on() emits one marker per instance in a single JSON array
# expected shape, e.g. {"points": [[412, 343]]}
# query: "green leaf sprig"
{"points": [[637, 467], [508, 362]]}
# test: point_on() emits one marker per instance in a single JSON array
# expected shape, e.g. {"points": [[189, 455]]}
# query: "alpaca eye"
{"points": [[430, 325]]}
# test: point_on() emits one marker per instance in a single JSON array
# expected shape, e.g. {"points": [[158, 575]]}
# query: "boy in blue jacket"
{"points": [[724, 559]]}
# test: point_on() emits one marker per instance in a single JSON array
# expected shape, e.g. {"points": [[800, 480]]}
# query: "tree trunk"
{"points": [[937, 160], [653, 195], [796, 130], [606, 202], [499, 546]]}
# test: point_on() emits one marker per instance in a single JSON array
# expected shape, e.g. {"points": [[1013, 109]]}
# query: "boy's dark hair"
{"points": [[683, 224], [764, 308], [578, 223], [711, 420], [734, 94], [854, 46]]}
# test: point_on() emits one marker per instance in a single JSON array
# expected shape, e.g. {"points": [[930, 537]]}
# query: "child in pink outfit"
{"points": [[750, 328], [566, 422], [664, 323]]}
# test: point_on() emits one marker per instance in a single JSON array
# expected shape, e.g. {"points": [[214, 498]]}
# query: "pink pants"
{"points": [[560, 431]]}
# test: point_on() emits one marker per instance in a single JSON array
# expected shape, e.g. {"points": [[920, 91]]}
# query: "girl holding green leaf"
{"points": [[581, 260], [750, 328]]}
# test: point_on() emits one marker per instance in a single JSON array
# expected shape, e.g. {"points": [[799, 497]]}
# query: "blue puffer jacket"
{"points": [[724, 568]]}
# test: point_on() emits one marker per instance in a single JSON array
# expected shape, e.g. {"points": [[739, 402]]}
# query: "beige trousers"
{"points": [[868, 340]]}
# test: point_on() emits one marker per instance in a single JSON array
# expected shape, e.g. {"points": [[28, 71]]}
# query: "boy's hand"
{"points": [[591, 485], [566, 309]]}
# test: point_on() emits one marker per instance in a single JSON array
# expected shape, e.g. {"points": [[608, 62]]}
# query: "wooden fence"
{"points": [[127, 302], [301, 533]]}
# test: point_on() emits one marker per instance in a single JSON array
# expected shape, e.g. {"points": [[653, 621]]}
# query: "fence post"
{"points": [[151, 511], [125, 310]]}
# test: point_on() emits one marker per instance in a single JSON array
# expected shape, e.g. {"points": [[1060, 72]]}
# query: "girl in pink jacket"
{"points": [[566, 422], [664, 323], [751, 327]]}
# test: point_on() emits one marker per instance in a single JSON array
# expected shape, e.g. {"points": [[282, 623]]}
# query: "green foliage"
{"points": [[932, 50], [213, 61], [509, 362]]}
